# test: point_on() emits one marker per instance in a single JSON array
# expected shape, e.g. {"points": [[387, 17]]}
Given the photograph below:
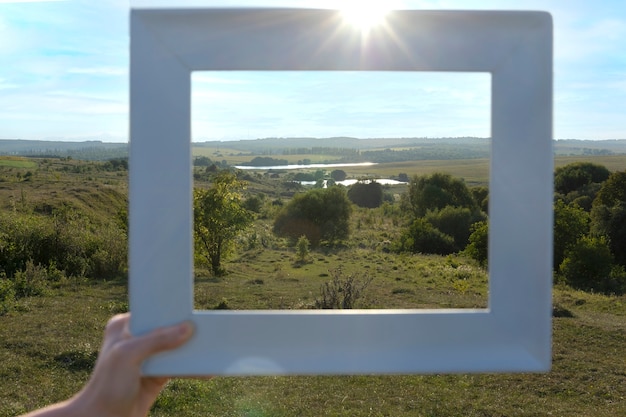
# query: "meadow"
{"points": [[48, 343]]}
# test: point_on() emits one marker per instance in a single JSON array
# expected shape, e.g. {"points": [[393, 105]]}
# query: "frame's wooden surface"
{"points": [[514, 334]]}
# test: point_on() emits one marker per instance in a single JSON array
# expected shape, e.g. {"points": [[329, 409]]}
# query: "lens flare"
{"points": [[364, 15]]}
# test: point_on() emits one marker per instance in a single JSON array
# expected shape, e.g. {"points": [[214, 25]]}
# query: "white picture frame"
{"points": [[512, 335]]}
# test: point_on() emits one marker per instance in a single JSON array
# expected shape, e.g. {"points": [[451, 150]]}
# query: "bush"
{"points": [[611, 223], [576, 175], [588, 266], [570, 224], [423, 237], [436, 191], [338, 174], [67, 239], [319, 214], [253, 204], [302, 248], [455, 222], [477, 248], [32, 281], [7, 295], [341, 293], [108, 257], [368, 195]]}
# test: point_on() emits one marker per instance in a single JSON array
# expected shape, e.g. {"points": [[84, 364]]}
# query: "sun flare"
{"points": [[364, 15]]}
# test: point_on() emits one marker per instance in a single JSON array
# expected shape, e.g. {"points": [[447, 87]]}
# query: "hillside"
{"points": [[348, 149], [49, 340]]}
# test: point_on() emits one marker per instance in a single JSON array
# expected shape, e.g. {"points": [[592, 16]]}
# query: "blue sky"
{"points": [[64, 75]]}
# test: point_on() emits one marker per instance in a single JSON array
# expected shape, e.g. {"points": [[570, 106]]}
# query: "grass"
{"points": [[236, 157], [472, 171], [271, 279], [612, 162], [17, 162], [48, 344], [56, 183]]}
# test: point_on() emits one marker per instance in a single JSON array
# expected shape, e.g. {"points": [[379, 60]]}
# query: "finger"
{"points": [[159, 340], [116, 326], [118, 321]]}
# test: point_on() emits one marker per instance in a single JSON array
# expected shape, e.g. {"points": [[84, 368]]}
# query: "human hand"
{"points": [[116, 387]]}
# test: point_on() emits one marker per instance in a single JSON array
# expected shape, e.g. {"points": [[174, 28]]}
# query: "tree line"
{"points": [[440, 214]]}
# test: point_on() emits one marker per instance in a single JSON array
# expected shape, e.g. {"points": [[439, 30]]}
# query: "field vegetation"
{"points": [[63, 274]]}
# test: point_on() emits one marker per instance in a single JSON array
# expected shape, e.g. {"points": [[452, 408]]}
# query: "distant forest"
{"points": [[87, 150], [346, 149]]}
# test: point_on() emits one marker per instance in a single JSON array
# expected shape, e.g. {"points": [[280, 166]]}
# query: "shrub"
{"points": [[253, 204], [455, 222], [368, 195], [32, 281], [109, 257], [319, 214], [588, 266], [7, 295], [478, 243], [68, 242], [436, 191], [338, 174], [570, 224], [576, 175], [423, 237], [302, 248], [611, 222], [340, 293]]}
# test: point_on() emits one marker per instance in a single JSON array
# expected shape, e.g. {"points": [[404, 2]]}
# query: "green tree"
{"points": [[436, 191], [319, 214], [302, 248], [455, 222], [477, 248], [319, 174], [613, 190], [338, 174], [481, 196], [364, 194], [609, 214], [219, 216], [254, 203], [588, 266], [611, 223], [423, 237], [574, 176], [570, 224]]}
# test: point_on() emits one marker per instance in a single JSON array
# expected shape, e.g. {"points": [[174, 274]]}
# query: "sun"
{"points": [[364, 15]]}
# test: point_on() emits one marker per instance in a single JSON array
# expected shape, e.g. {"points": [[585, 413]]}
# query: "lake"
{"points": [[383, 181], [301, 166]]}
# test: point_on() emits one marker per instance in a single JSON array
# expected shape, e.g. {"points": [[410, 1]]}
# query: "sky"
{"points": [[64, 76]]}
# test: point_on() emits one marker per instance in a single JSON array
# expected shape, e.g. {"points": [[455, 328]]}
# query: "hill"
{"points": [[346, 148], [86, 150]]}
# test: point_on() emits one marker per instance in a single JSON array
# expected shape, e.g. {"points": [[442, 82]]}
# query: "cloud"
{"points": [[5, 85], [592, 42], [359, 104]]}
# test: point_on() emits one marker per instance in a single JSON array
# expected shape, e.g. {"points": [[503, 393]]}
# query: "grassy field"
{"points": [[17, 162], [473, 171], [48, 344]]}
